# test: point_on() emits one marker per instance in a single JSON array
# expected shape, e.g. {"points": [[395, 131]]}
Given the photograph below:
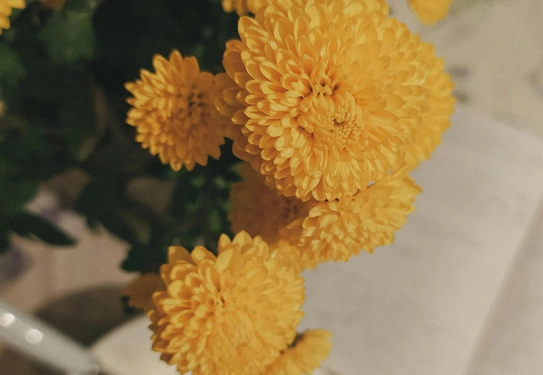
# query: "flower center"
{"points": [[186, 111], [332, 115], [292, 209]]}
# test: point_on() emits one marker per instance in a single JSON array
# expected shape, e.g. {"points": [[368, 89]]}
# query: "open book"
{"points": [[459, 292], [461, 289]]}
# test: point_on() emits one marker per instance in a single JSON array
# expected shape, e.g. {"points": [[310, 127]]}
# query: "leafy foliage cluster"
{"points": [[63, 106]]}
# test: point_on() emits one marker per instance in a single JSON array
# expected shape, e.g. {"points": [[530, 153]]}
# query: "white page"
{"points": [[418, 306], [512, 341]]}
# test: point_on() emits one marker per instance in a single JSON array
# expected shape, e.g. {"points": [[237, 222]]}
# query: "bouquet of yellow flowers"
{"points": [[286, 131]]}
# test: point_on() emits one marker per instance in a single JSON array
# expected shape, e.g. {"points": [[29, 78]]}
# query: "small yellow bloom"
{"points": [[332, 99], [140, 291], [174, 114], [6, 8], [304, 355], [430, 11], [227, 315]]}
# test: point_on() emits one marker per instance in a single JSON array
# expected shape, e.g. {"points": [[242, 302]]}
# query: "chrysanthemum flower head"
{"points": [[430, 11], [226, 315], [326, 96], [6, 8], [304, 355], [140, 291], [174, 114], [338, 229], [261, 210]]}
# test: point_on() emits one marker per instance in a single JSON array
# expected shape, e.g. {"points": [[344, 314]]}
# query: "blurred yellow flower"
{"points": [[261, 210], [430, 11], [53, 4], [243, 7], [226, 315], [329, 101], [239, 6], [140, 291], [174, 114], [6, 8], [305, 354], [338, 229]]}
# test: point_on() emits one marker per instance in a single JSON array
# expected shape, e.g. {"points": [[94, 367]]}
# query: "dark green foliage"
{"points": [[62, 77], [27, 224], [69, 35]]}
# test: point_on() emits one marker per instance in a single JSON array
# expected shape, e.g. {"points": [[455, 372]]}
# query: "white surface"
{"points": [[127, 351], [421, 306], [512, 342]]}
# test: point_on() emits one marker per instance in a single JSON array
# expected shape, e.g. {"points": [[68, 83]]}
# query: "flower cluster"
{"points": [[6, 8], [331, 119], [330, 104]]}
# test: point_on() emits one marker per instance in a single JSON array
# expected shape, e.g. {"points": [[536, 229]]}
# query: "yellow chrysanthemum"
{"points": [[261, 210], [439, 108], [226, 315], [306, 353], [174, 114], [6, 8], [338, 229], [430, 11], [140, 291], [327, 96]]}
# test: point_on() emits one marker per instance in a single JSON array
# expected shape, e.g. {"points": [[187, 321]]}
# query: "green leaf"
{"points": [[145, 258], [69, 36], [11, 66], [115, 224], [101, 202], [28, 224], [214, 220], [35, 155], [77, 121], [187, 198], [14, 195]]}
